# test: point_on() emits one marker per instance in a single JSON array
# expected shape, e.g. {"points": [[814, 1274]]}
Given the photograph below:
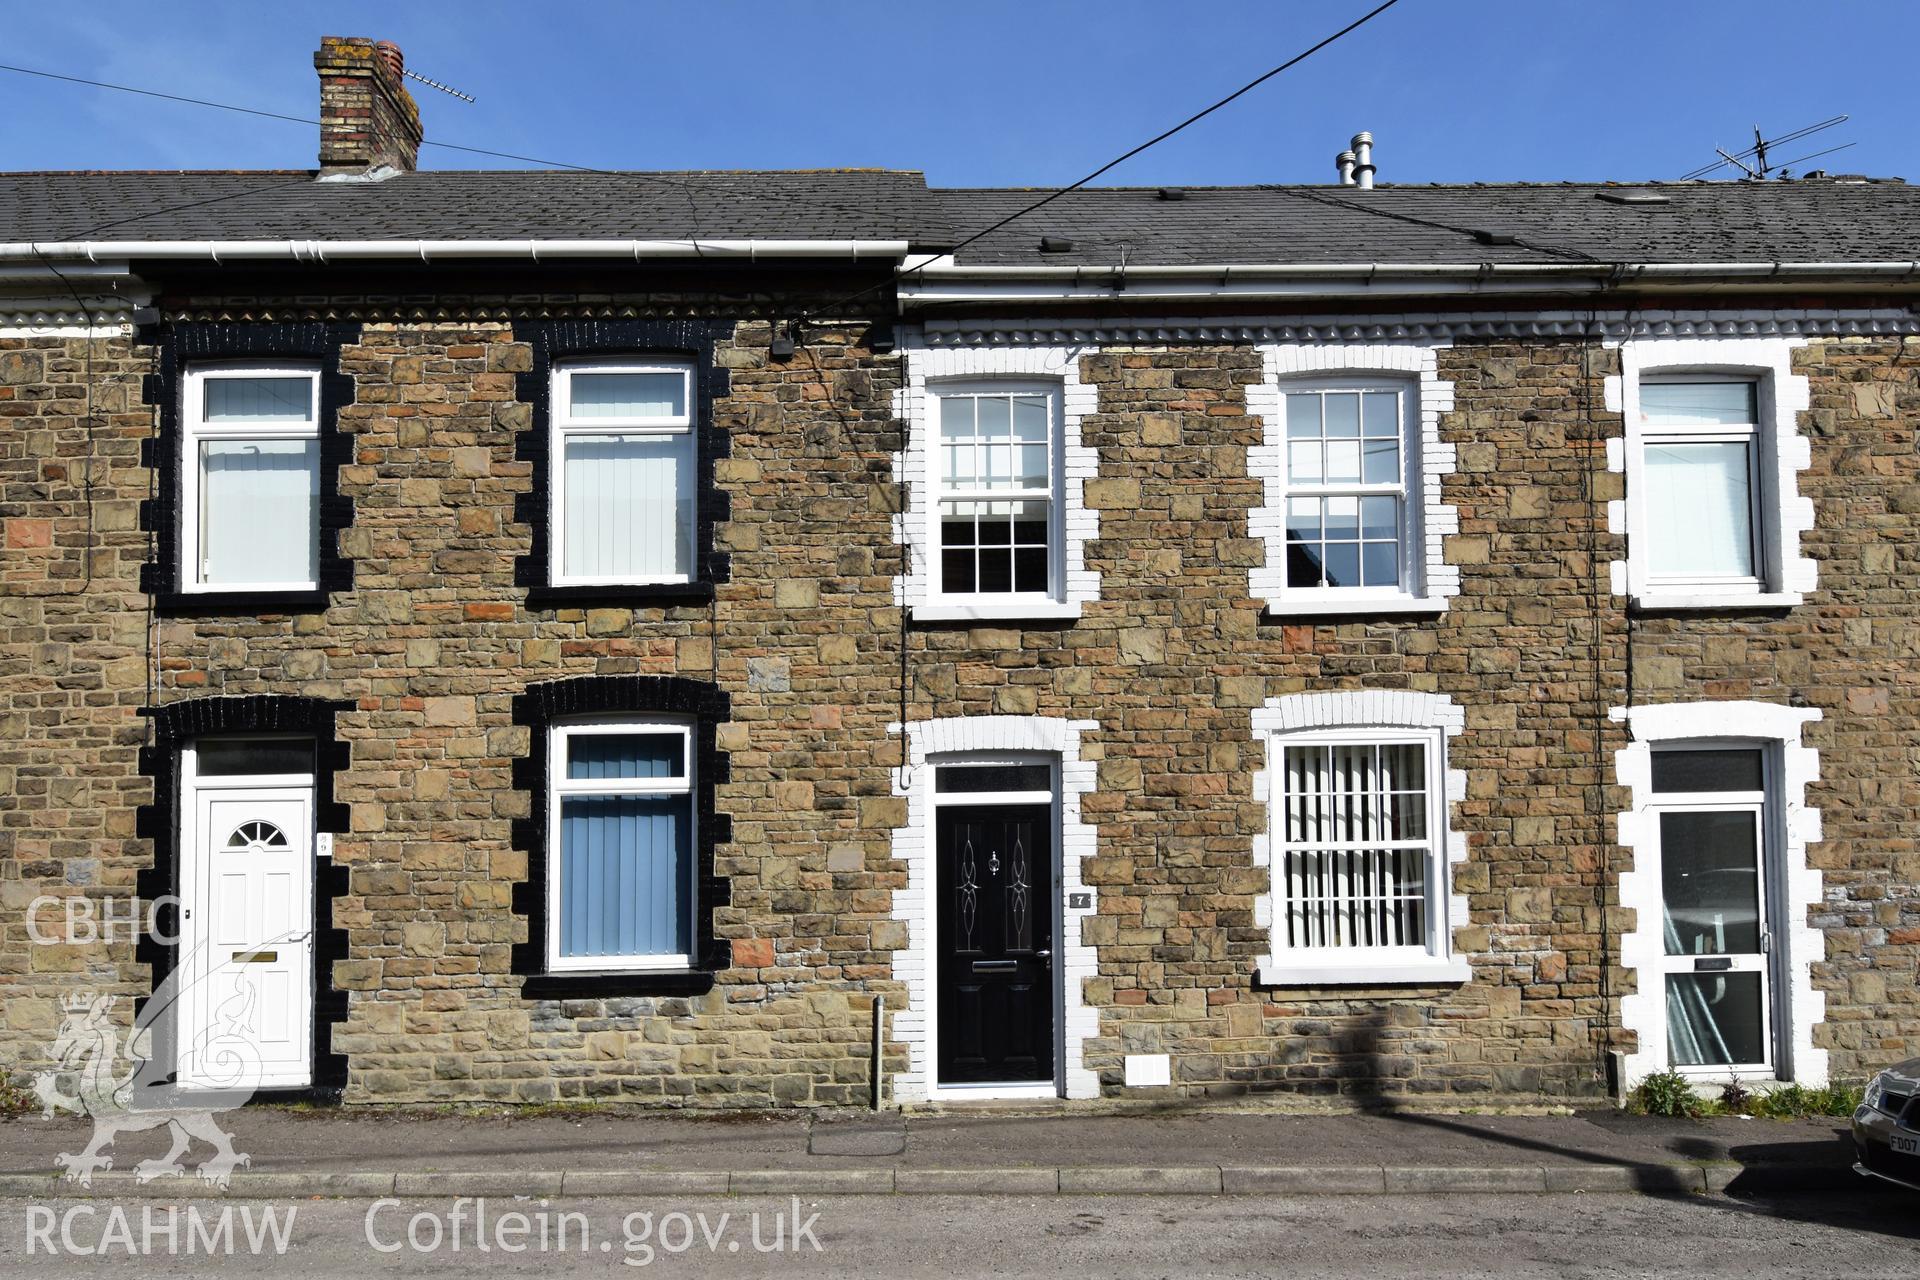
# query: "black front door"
{"points": [[995, 939]]}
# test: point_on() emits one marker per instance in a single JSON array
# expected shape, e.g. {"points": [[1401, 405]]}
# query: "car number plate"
{"points": [[1906, 1146]]}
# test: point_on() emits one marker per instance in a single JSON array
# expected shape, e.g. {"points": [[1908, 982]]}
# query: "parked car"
{"points": [[1886, 1126]]}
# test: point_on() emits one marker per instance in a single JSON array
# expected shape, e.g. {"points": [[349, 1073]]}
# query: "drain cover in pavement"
{"points": [[858, 1138]]}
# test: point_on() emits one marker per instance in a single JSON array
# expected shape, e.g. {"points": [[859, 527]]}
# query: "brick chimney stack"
{"points": [[367, 117]]}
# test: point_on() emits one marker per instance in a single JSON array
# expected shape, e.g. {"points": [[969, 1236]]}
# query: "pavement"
{"points": [[375, 1153]]}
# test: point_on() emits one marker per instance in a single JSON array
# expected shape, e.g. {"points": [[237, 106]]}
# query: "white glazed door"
{"points": [[1716, 973], [246, 941]]}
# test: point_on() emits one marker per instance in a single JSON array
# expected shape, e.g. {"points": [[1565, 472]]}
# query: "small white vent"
{"points": [[1146, 1070]]}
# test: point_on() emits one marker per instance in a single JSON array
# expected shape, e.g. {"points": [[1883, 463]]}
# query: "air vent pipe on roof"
{"points": [[1363, 160], [1344, 161]]}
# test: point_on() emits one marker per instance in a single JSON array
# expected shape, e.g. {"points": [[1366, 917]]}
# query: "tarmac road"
{"points": [[905, 1237]]}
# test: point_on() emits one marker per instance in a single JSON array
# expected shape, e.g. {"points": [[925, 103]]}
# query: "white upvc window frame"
{"points": [[1432, 959], [563, 425], [560, 787], [1764, 808], [196, 430], [1763, 504], [1009, 603], [1408, 591]]}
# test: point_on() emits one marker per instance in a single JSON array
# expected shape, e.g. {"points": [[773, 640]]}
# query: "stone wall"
{"points": [[436, 639]]}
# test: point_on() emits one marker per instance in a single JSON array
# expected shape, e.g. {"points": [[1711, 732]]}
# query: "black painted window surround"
{"points": [[705, 706], [184, 345], [561, 341]]}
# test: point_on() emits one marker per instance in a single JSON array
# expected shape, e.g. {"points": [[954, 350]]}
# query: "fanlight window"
{"points": [[257, 835]]}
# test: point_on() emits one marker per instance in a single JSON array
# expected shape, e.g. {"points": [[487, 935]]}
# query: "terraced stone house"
{"points": [[746, 639]]}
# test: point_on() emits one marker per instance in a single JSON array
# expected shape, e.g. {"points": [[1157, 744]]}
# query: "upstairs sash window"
{"points": [[998, 483], [1347, 465]]}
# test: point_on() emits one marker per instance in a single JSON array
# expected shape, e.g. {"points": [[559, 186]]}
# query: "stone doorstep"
{"points": [[1668, 1179]]}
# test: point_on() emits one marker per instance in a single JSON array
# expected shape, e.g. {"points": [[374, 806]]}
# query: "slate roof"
{"points": [[1806, 221], [440, 204], [1803, 221]]}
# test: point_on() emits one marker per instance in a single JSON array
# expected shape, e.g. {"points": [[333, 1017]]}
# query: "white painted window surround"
{"points": [[917, 527], [1796, 886], [1781, 454], [1365, 715], [928, 743], [1427, 580]]}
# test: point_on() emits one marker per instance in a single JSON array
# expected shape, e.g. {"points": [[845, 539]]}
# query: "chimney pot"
{"points": [[368, 120], [395, 60], [1344, 162]]}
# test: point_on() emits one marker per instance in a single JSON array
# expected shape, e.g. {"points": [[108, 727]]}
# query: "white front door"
{"points": [[245, 1007], [1714, 907]]}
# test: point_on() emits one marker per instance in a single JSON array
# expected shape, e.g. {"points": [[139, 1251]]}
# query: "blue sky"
{"points": [[1033, 93]]}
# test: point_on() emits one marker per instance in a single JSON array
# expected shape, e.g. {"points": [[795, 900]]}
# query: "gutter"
{"points": [[1687, 270], [325, 251], [945, 268], [931, 279]]}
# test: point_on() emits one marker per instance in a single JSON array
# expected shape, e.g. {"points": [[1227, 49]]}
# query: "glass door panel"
{"points": [[1710, 882], [1713, 917]]}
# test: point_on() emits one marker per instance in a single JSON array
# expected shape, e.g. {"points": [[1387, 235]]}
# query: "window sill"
{"points": [[1424, 973], [1032, 611], [1684, 602], [633, 982], [638, 595], [211, 603], [1394, 607]]}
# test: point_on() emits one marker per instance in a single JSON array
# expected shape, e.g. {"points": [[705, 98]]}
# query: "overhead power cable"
{"points": [[1154, 141], [1473, 233], [690, 188]]}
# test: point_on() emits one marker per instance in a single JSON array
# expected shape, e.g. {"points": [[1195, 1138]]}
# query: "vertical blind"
{"points": [[231, 399], [629, 506], [1699, 491], [625, 887], [1357, 845], [259, 501], [628, 395], [1700, 509], [1697, 403], [626, 861]]}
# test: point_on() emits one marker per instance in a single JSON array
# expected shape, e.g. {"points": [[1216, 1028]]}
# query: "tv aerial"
{"points": [[435, 84], [1756, 161]]}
